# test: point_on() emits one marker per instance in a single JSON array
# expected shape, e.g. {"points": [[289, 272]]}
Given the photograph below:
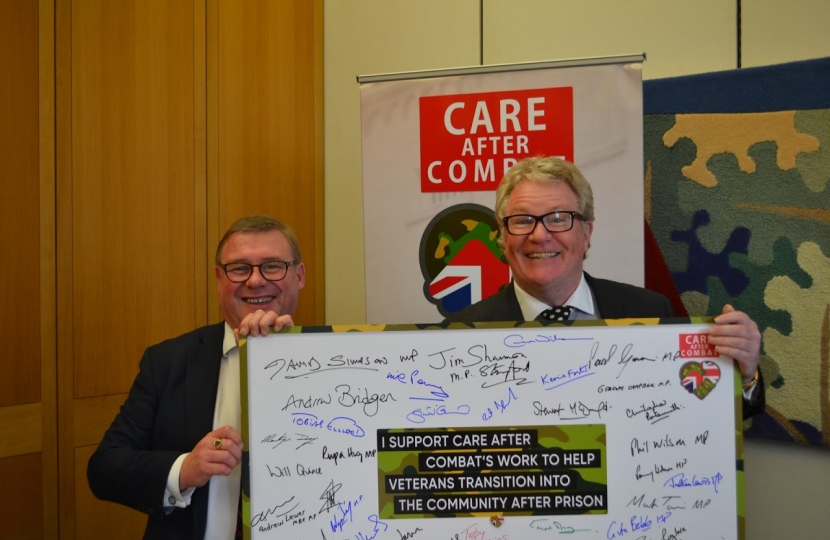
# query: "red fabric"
{"points": [[658, 276]]}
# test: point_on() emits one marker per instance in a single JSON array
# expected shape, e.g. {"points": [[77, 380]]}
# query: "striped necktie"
{"points": [[238, 534]]}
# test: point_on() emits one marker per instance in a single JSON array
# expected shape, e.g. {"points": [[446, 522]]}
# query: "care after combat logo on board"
{"points": [[698, 378], [460, 258]]}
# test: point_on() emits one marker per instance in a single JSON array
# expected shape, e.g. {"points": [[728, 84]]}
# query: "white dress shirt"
{"points": [[223, 496], [582, 302]]}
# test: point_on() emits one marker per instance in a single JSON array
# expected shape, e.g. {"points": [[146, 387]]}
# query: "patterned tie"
{"points": [[557, 314]]}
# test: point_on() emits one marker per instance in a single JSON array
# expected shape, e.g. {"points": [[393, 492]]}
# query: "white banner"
{"points": [[435, 149]]}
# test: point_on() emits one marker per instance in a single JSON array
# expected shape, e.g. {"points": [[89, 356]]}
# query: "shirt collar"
{"points": [[582, 300], [228, 342]]}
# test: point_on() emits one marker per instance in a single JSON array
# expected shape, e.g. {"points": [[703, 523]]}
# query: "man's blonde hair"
{"points": [[545, 170]]}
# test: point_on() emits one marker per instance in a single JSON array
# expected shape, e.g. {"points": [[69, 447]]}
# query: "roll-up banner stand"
{"points": [[435, 146]]}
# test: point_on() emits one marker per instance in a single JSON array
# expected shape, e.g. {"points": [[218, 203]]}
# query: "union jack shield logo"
{"points": [[461, 261]]}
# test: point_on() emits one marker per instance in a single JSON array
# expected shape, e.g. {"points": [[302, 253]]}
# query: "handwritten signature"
{"points": [[518, 340], [419, 416], [436, 391], [501, 405], [284, 438], [547, 525], [680, 480], [338, 424], [277, 510]]}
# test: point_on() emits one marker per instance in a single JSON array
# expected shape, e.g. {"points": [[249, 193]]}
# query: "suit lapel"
{"points": [[511, 306], [610, 304], [202, 381]]}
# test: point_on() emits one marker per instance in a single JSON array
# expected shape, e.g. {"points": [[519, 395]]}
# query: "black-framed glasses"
{"points": [[238, 272], [524, 224]]}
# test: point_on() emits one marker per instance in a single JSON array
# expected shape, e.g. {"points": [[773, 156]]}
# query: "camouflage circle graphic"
{"points": [[461, 261]]}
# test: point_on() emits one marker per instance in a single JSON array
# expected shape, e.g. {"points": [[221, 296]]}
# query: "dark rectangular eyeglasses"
{"points": [[238, 272], [524, 224]]}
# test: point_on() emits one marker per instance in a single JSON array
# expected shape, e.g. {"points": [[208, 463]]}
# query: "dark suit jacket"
{"points": [[615, 301], [169, 409]]}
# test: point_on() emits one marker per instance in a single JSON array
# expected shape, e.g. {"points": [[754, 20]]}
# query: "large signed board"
{"points": [[603, 429]]}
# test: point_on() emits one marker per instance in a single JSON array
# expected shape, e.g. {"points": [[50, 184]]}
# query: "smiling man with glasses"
{"points": [[258, 271], [173, 452], [545, 208]]}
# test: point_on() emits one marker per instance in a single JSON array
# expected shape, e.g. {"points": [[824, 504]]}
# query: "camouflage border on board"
{"points": [[245, 487], [492, 325]]}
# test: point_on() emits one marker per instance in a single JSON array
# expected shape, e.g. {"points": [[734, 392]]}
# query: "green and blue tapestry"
{"points": [[737, 203]]}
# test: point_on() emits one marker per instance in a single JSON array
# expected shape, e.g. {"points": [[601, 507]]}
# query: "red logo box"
{"points": [[468, 141], [696, 346]]}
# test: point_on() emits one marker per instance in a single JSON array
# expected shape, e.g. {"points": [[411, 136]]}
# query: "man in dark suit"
{"points": [[545, 210], [174, 450]]}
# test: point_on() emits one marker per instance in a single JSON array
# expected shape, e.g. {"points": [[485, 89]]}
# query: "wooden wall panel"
{"points": [[28, 431], [93, 416], [21, 515], [19, 187], [268, 88], [48, 259], [20, 431], [130, 217], [132, 185], [140, 197]]}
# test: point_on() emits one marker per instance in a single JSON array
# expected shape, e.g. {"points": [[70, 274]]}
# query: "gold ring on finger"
{"points": [[217, 443]]}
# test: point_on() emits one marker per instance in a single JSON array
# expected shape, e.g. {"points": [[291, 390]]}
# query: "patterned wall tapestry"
{"points": [[738, 212]]}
